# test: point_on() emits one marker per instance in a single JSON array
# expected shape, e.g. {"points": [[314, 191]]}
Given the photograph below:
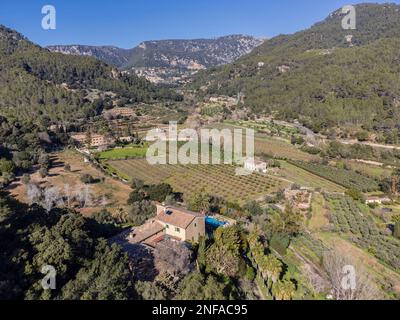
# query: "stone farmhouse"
{"points": [[170, 223], [255, 165], [97, 140]]}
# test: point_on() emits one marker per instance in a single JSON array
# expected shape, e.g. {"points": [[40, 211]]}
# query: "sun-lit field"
{"points": [[271, 146], [307, 179], [121, 153], [370, 170], [218, 180], [280, 149], [113, 191]]}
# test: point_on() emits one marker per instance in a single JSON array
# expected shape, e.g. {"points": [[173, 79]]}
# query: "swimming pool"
{"points": [[214, 222]]}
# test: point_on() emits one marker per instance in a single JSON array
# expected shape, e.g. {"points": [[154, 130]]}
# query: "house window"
{"points": [[177, 230], [195, 225], [167, 226]]}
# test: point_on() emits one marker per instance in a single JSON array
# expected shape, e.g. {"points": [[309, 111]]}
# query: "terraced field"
{"points": [[272, 146], [307, 179], [218, 180], [346, 178], [354, 220], [279, 149]]}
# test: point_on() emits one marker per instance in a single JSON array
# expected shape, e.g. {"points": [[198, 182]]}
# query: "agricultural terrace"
{"points": [[346, 178], [374, 171], [106, 193], [307, 179], [218, 180], [273, 146], [309, 248], [123, 153], [349, 226], [268, 127], [355, 221]]}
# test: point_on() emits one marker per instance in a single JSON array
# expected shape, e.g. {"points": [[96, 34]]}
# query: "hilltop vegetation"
{"points": [[317, 76], [37, 84]]}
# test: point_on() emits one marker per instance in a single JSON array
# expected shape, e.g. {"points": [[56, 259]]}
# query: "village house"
{"points": [[170, 223], [377, 200], [120, 112], [283, 68], [127, 139], [97, 140], [255, 165], [181, 224]]}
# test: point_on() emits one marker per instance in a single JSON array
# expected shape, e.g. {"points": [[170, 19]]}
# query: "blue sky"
{"points": [[125, 23]]}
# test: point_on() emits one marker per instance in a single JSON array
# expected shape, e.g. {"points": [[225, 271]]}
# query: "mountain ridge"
{"points": [[323, 76], [165, 60], [39, 85]]}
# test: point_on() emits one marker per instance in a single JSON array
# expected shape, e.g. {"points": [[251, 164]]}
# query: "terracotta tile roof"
{"points": [[149, 229], [177, 217]]}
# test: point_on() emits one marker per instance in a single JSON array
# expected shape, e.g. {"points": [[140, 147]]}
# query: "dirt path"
{"points": [[319, 219]]}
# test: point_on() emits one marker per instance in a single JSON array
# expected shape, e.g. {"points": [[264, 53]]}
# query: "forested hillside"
{"points": [[87, 266], [326, 76], [35, 82], [111, 55]]}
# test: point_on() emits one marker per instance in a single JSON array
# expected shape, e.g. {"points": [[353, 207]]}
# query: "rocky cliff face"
{"points": [[169, 61], [111, 55]]}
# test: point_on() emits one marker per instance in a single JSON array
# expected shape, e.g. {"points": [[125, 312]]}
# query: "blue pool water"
{"points": [[214, 222]]}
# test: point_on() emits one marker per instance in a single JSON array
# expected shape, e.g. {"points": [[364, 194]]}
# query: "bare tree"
{"points": [[173, 258], [83, 196], [52, 198], [33, 193], [68, 195], [87, 196], [348, 279]]}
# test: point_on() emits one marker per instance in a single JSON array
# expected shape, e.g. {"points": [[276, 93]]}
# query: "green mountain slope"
{"points": [[320, 77], [37, 83]]}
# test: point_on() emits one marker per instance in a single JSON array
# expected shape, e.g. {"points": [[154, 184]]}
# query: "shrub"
{"points": [[158, 192], [43, 173], [250, 273], [26, 178], [136, 196], [88, 179], [280, 244], [355, 194], [397, 230]]}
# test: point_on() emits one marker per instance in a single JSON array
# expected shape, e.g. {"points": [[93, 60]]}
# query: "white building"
{"points": [[378, 200], [255, 165]]}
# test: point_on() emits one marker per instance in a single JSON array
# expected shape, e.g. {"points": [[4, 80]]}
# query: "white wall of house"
{"points": [[174, 231]]}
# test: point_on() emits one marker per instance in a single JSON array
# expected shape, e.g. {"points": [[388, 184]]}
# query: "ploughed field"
{"points": [[218, 180]]}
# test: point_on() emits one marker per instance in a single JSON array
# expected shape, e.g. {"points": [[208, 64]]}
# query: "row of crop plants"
{"points": [[346, 178], [349, 218]]}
